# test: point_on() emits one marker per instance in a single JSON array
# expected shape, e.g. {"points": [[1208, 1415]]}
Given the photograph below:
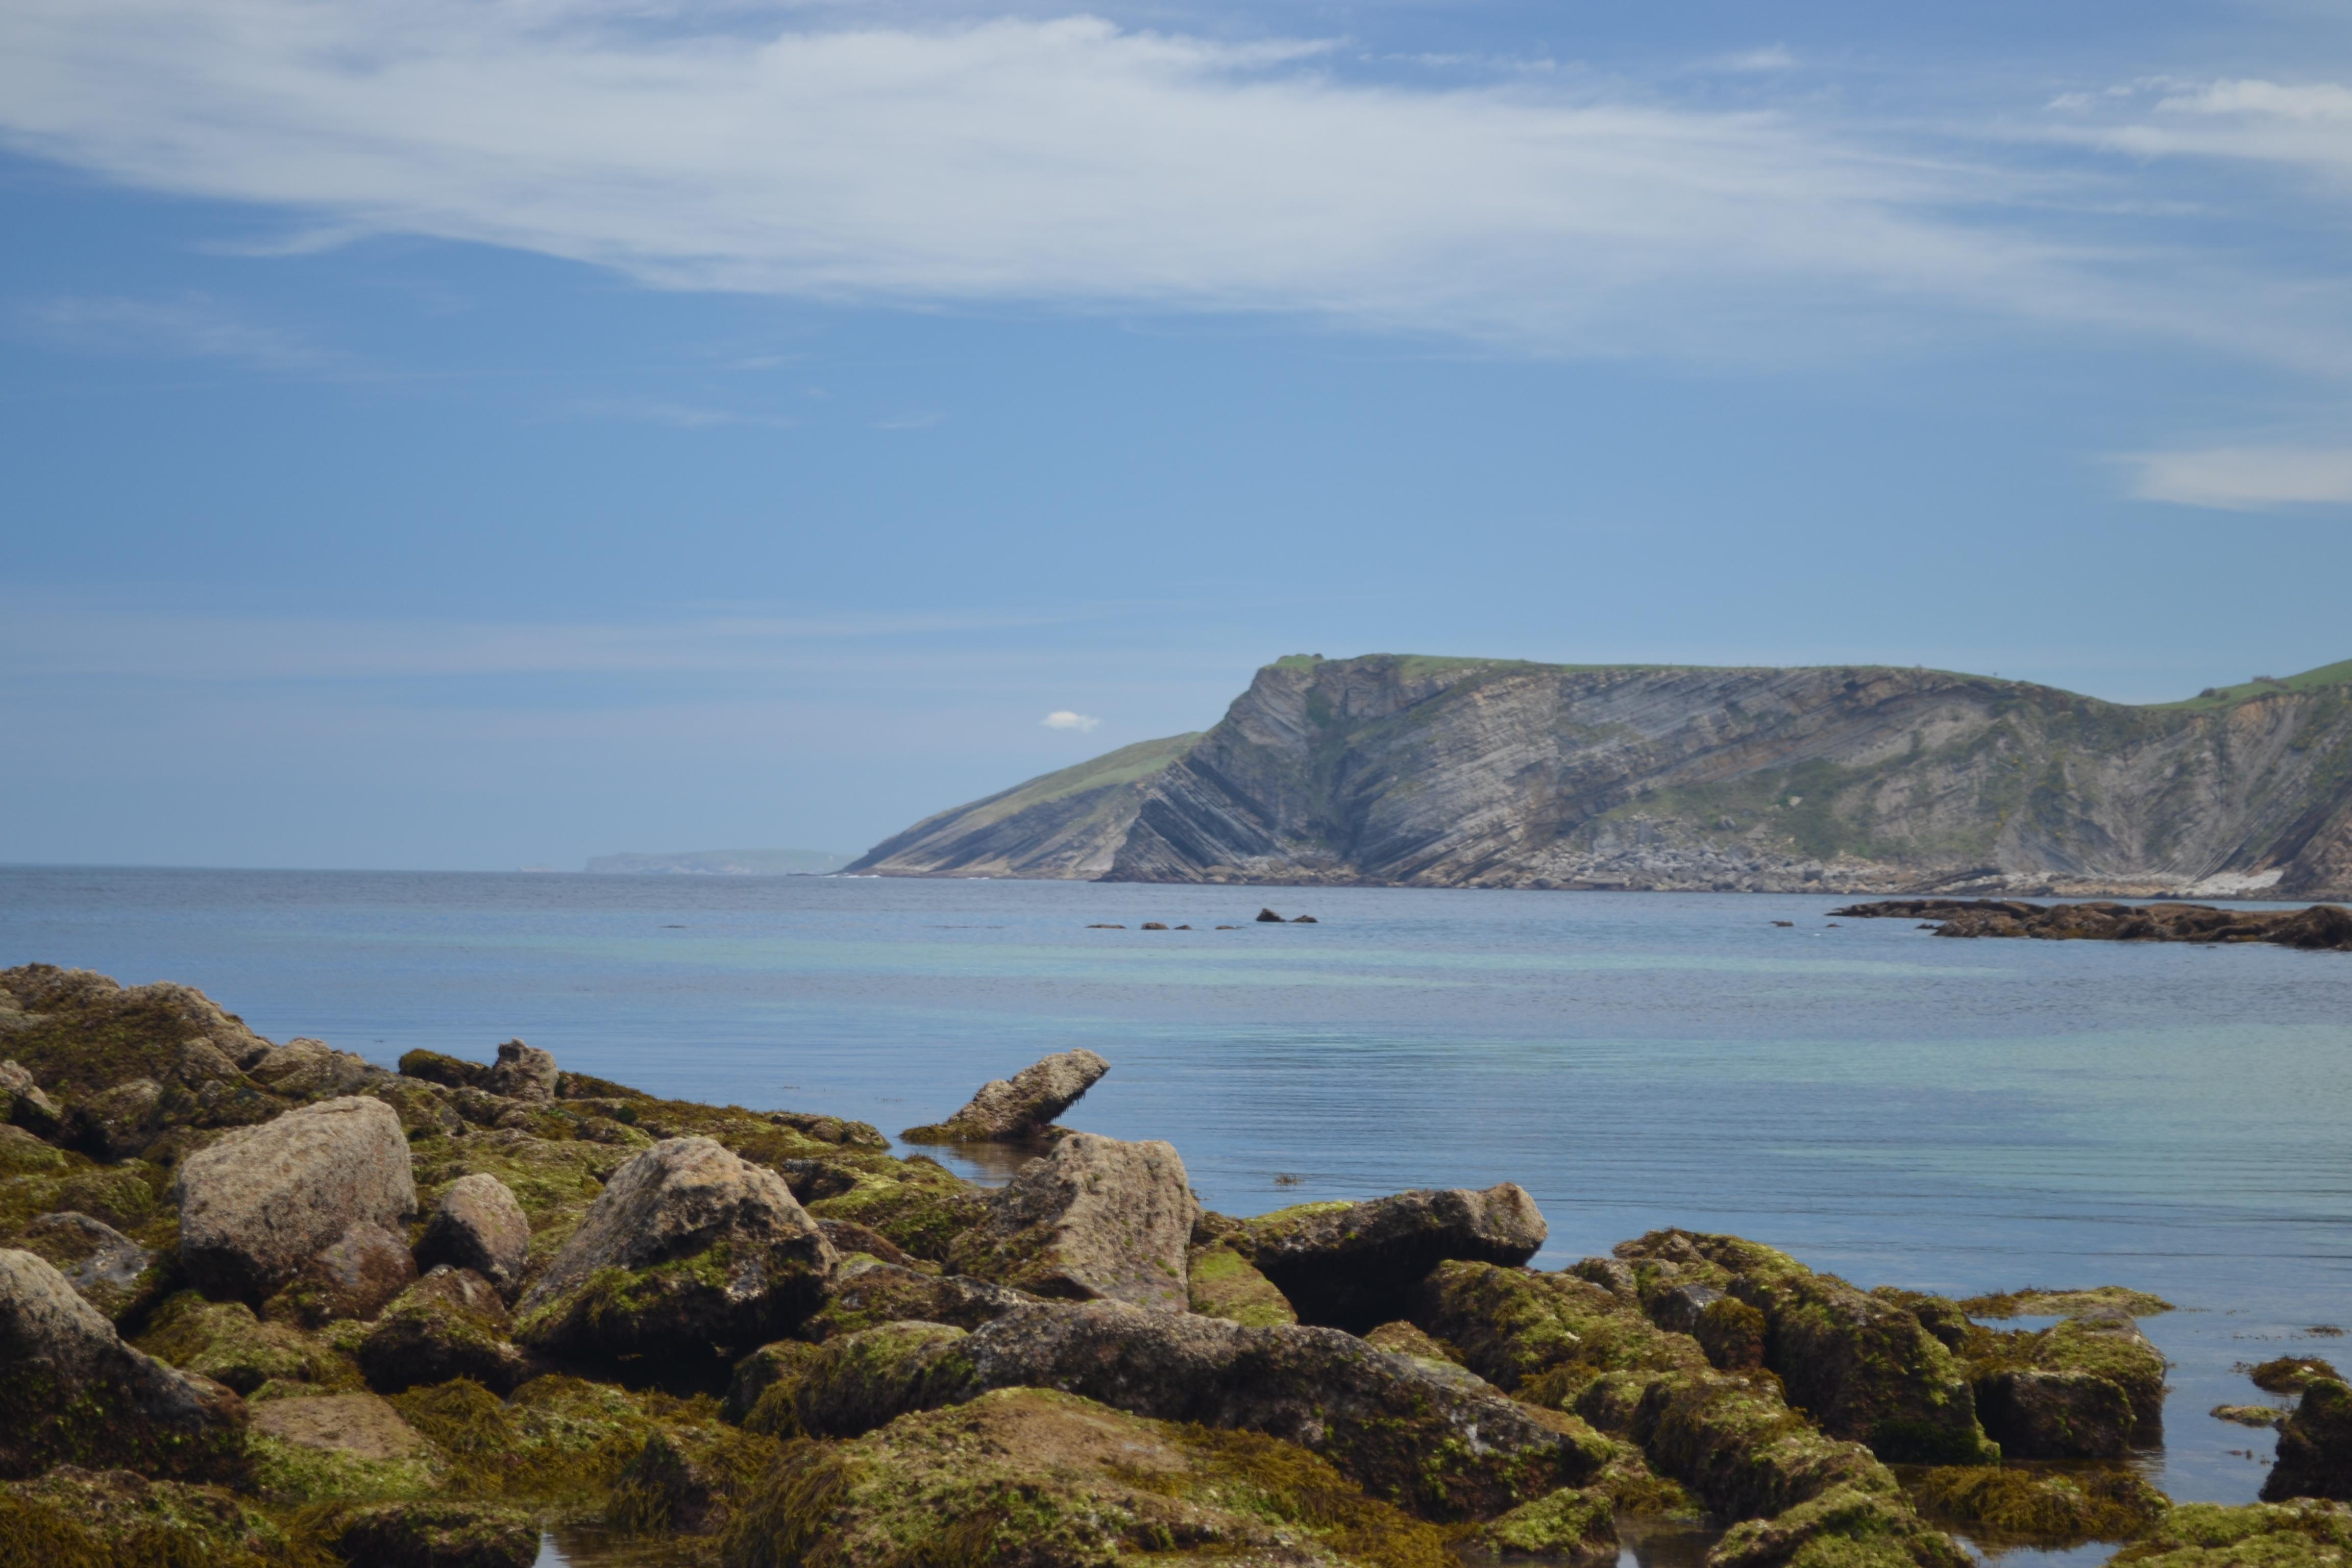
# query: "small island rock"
{"points": [[1009, 1109]]}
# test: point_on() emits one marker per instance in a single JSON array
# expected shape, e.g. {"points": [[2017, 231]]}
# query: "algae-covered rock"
{"points": [[760, 1394], [1009, 1109], [263, 1201], [435, 1535], [2038, 1504], [1729, 1438], [1861, 1365], [1572, 1525], [1096, 1220], [915, 1204], [23, 1154], [2090, 1386], [112, 1272], [864, 1294], [1514, 1328], [1424, 1436], [309, 1449], [1045, 1479], [1854, 1526], [2291, 1374], [25, 1106], [352, 1277], [451, 1323], [225, 1342], [2248, 1414], [2315, 1446], [1355, 1265], [689, 1481], [79, 1033], [1223, 1284], [73, 1393], [522, 1072], [477, 1225], [690, 1247], [2304, 1534], [2036, 1302], [1401, 1338], [77, 1518]]}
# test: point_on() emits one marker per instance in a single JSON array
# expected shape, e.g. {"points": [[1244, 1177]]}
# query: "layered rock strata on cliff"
{"points": [[1471, 773]]}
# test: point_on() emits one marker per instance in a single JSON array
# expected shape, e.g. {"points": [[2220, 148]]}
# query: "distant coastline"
{"points": [[720, 863]]}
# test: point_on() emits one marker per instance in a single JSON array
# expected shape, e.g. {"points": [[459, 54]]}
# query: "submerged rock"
{"points": [[477, 1225], [689, 1249], [2315, 1447], [75, 1393], [263, 1201], [2291, 1374], [1097, 1219], [1429, 1440], [1009, 1109], [1355, 1265], [1048, 1479]]}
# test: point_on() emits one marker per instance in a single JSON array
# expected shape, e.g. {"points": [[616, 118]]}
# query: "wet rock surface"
{"points": [[1020, 1107], [1355, 1265], [477, 1225], [259, 1203], [2315, 1447], [451, 1323], [2320, 927], [1096, 1220]]}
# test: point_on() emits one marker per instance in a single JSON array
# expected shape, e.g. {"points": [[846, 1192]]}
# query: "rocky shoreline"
{"points": [[2320, 928], [269, 1304]]}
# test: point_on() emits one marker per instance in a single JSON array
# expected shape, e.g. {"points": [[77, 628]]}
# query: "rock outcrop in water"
{"points": [[1368, 1384], [2321, 927], [1488, 773]]}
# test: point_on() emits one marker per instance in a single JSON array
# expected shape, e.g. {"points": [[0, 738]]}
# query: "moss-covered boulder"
{"points": [[1572, 1525], [77, 1518], [1048, 1480], [225, 1342], [689, 1249], [24, 1107], [309, 1449], [432, 1535], [2315, 1446], [1729, 1438], [1356, 1266], [1096, 1220], [451, 1323], [2089, 1387], [73, 1393], [2307, 1534], [1861, 1365], [2291, 1374], [1427, 1438], [110, 1272], [1515, 1328], [1854, 1526], [759, 1394], [917, 1203], [1223, 1284], [688, 1481], [865, 1293], [2038, 1504]]}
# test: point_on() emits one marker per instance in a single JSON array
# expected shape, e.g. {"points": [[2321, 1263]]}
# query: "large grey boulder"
{"points": [[1441, 1444], [1009, 1109], [1356, 1266], [477, 1225], [1096, 1220], [261, 1202], [522, 1072], [353, 1277], [73, 1393], [689, 1249]]}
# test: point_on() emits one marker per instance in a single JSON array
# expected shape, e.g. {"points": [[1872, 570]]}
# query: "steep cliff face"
{"points": [[1492, 774]]}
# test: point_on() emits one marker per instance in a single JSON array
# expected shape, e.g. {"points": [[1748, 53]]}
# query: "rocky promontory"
{"points": [[1408, 771], [278, 1306], [2321, 927]]}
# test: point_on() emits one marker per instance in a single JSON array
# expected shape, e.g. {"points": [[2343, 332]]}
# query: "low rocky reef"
{"points": [[267, 1304], [2321, 927]]}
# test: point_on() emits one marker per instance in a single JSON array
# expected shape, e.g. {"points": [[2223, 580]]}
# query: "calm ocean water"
{"points": [[1957, 1116]]}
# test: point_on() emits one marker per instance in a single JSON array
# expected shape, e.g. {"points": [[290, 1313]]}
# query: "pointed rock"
{"points": [[1009, 1110]]}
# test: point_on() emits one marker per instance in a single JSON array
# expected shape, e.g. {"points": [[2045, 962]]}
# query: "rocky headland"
{"points": [[1407, 771], [269, 1304], [2321, 927]]}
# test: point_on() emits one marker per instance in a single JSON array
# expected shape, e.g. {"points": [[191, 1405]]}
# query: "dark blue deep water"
{"points": [[1957, 1116]]}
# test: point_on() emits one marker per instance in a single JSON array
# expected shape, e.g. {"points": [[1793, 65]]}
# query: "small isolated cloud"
{"points": [[2247, 479], [1776, 58], [681, 416], [193, 326], [1063, 719]]}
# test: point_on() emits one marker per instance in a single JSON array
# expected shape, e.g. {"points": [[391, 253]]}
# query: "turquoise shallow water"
{"points": [[1957, 1116]]}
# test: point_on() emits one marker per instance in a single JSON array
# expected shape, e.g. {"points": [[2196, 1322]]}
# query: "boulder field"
{"points": [[282, 1307]]}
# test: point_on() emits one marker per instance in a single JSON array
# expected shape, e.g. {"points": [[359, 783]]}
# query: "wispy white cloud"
{"points": [[1063, 719], [681, 416], [1772, 57], [2306, 125], [1067, 160], [2246, 478], [192, 326]]}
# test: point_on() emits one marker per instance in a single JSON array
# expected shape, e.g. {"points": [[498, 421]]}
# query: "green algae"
{"points": [[2301, 1534], [1224, 1284], [2035, 1301], [1853, 1526], [225, 1342], [1573, 1524], [2039, 1505]]}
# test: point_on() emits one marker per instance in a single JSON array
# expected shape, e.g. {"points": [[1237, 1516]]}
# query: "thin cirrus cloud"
{"points": [[192, 326], [1066, 160], [2246, 478], [1063, 719]]}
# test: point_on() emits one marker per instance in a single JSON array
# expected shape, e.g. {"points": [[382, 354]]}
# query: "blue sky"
{"points": [[485, 434]]}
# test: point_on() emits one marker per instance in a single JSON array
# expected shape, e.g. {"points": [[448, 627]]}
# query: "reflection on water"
{"points": [[1663, 1543], [1898, 1108]]}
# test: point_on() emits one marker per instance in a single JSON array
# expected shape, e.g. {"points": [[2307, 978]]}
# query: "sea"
{"points": [[1898, 1107]]}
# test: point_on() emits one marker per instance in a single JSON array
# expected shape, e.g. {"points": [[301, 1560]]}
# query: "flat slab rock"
{"points": [[1355, 1265], [360, 1424], [1009, 1109], [258, 1204]]}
